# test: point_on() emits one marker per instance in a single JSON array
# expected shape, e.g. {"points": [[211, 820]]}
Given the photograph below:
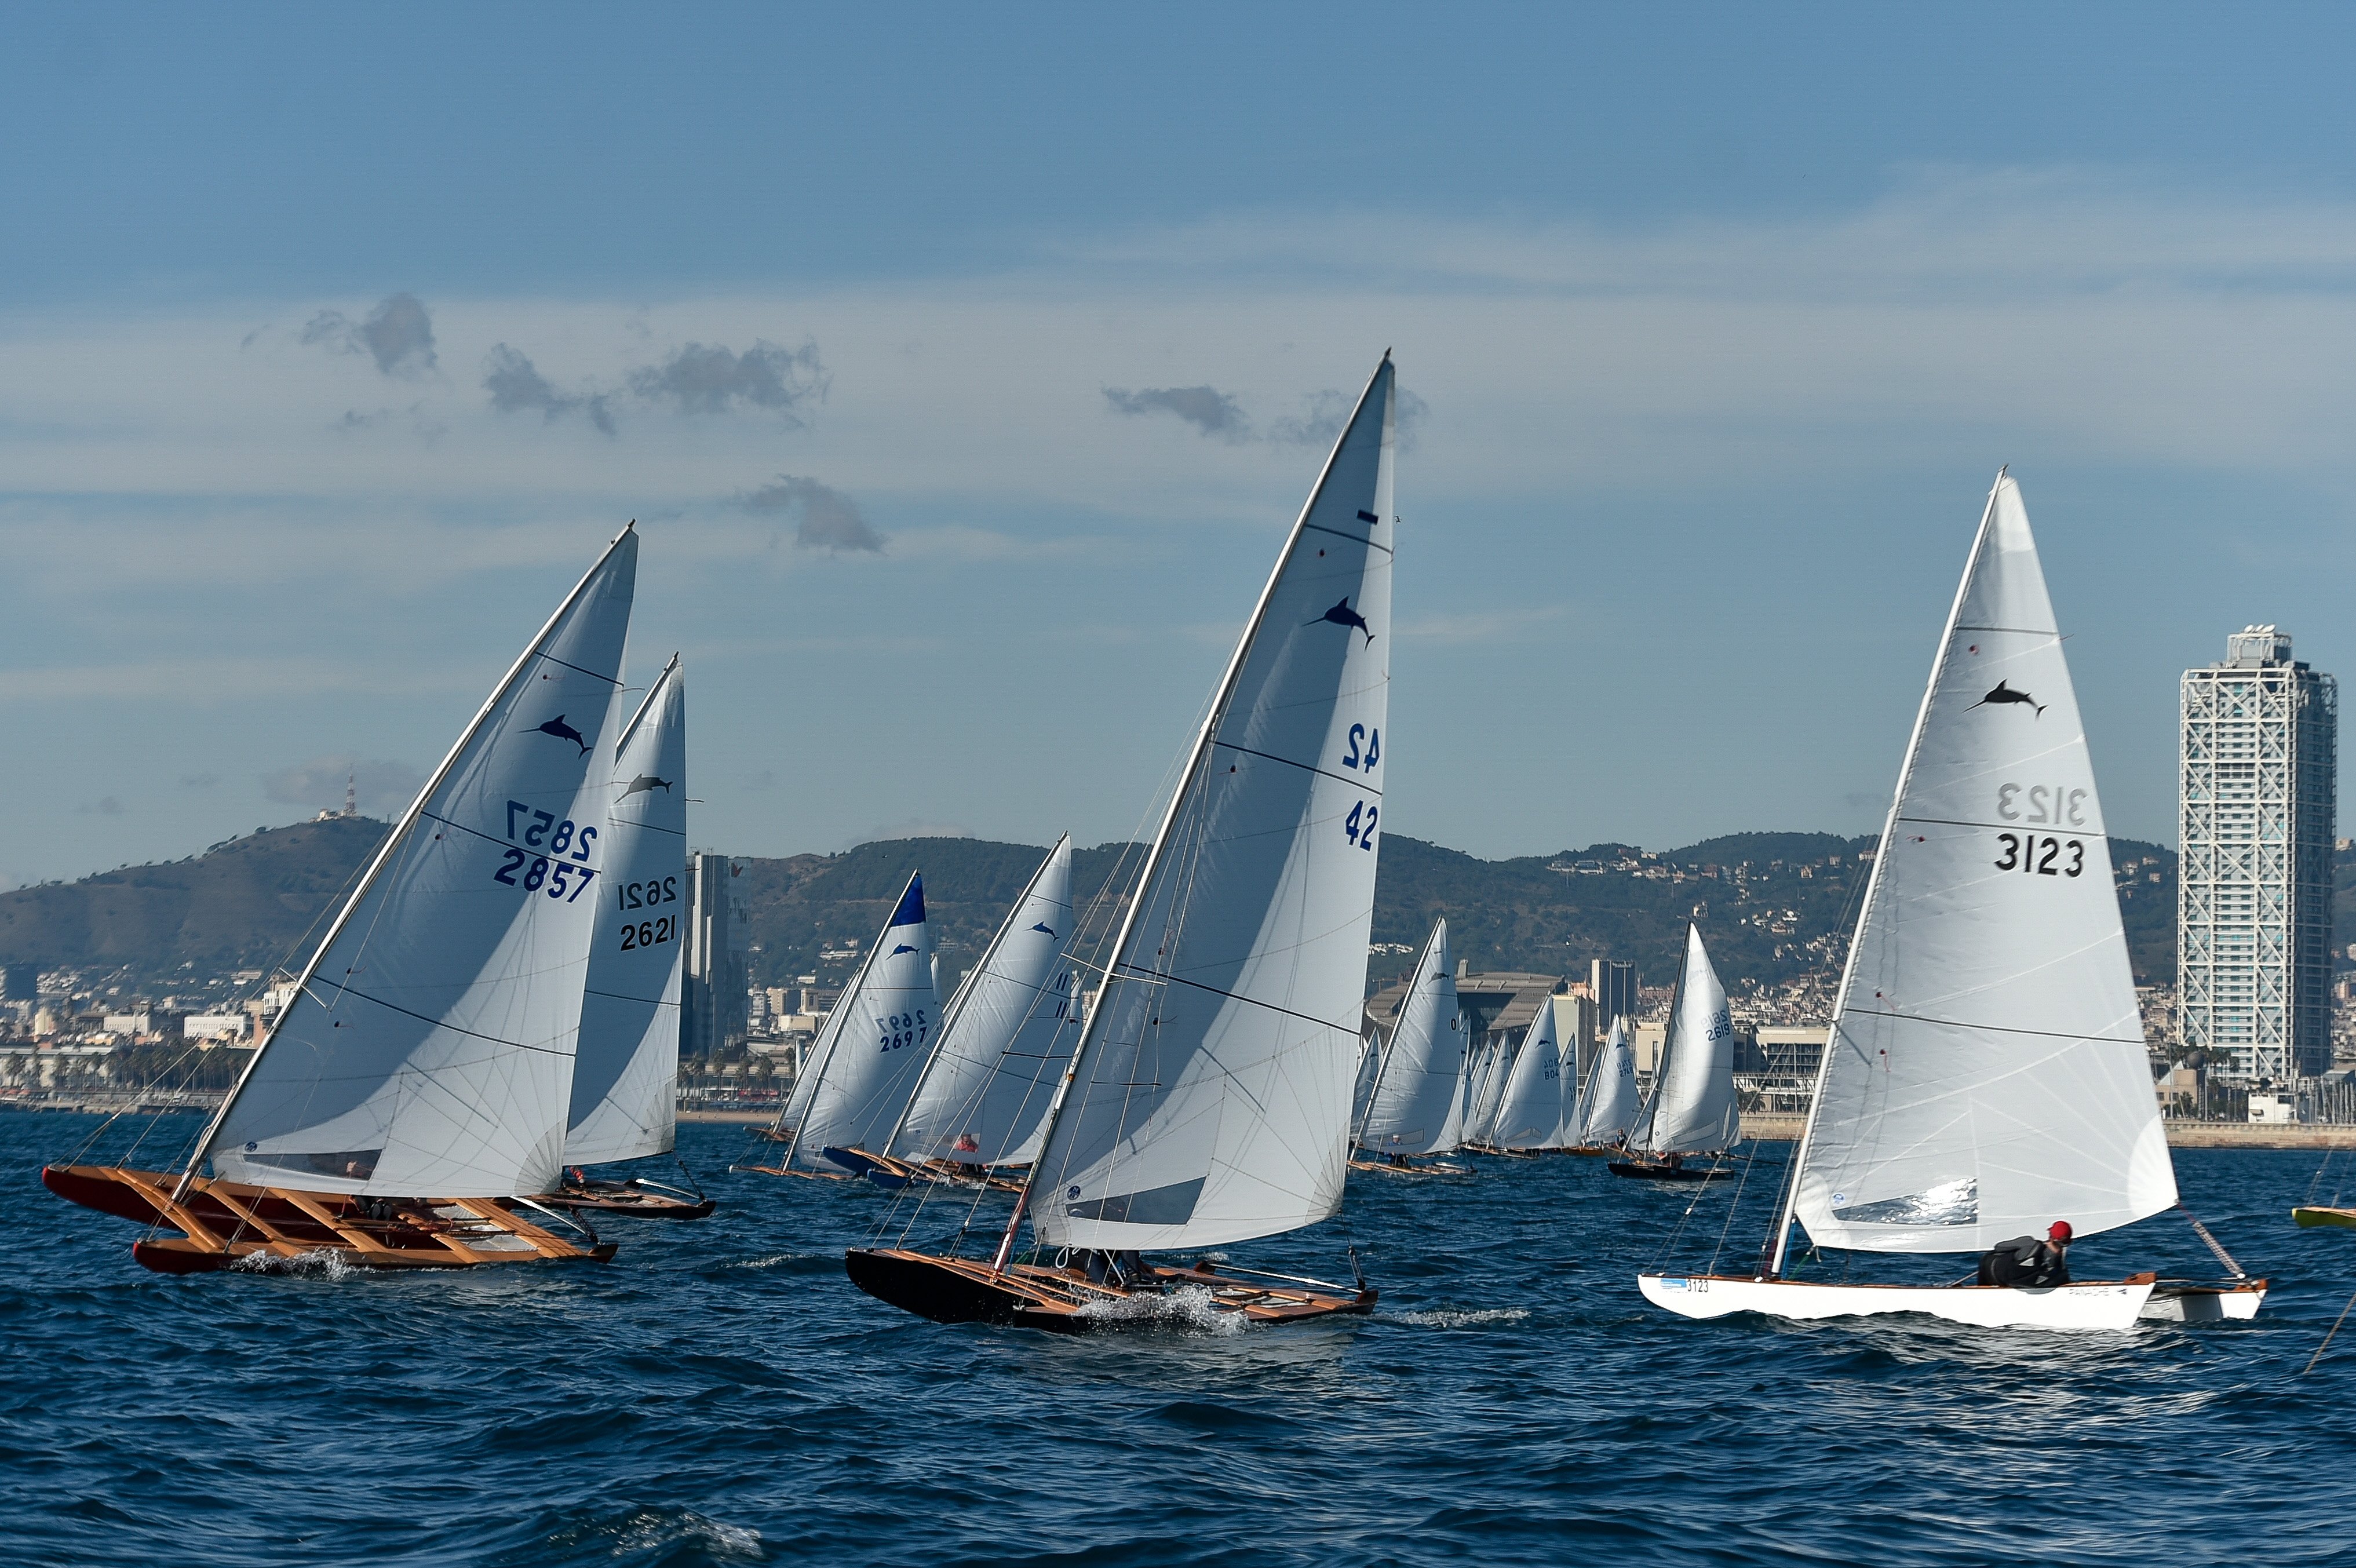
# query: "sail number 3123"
{"points": [[2041, 856]]}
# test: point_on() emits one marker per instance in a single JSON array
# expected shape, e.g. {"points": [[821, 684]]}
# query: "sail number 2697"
{"points": [[2041, 856]]}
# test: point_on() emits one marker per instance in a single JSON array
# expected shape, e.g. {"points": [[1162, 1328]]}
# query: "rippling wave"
{"points": [[720, 1395]]}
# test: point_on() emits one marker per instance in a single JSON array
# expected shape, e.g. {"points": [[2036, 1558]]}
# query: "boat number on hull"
{"points": [[647, 934], [2041, 856]]}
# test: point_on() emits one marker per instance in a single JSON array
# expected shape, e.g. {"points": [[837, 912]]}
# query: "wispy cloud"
{"points": [[826, 519], [1207, 408], [708, 379], [397, 335], [516, 386]]}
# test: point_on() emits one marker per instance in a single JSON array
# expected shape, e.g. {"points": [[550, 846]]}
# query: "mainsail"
{"points": [[1694, 1108], [428, 1046], [1486, 1092], [1530, 1114], [1608, 1104], [1985, 1073], [1007, 1034], [626, 1073], [1418, 1089], [1209, 1101], [865, 1066]]}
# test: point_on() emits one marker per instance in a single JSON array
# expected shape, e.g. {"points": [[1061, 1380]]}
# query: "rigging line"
{"points": [[1344, 533], [1359, 784], [1990, 1028], [2015, 630], [1139, 971], [2001, 827], [2327, 1338], [440, 1024], [613, 681]]}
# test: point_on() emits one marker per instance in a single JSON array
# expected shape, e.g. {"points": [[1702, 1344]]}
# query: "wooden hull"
{"points": [[887, 1171], [631, 1198], [1596, 1151], [1407, 1168], [232, 1225], [1646, 1170], [1063, 1301], [2312, 1215], [2106, 1304]]}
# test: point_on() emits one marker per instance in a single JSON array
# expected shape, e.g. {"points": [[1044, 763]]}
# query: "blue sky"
{"points": [[333, 344]]}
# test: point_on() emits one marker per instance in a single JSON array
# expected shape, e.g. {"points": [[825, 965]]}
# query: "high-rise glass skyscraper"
{"points": [[2258, 791]]}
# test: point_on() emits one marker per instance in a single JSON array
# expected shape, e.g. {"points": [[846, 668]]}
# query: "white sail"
{"points": [[1694, 1108], [1986, 1073], [1210, 1099], [428, 1050], [1369, 1075], [626, 1073], [1608, 1106], [1419, 1092], [1529, 1113], [1493, 1062], [876, 1041], [1007, 1035]]}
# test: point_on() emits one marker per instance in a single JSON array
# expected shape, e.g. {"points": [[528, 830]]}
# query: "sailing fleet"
{"points": [[494, 1007]]}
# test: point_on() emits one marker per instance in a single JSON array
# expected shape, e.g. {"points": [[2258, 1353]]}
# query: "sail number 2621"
{"points": [[2041, 856]]}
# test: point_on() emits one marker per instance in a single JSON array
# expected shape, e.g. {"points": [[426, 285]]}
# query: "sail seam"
{"points": [[2009, 827], [593, 675], [1992, 1028], [1139, 972], [1304, 767], [1352, 538], [443, 1024], [2015, 631]]}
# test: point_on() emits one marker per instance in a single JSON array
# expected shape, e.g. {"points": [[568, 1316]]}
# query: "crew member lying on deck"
{"points": [[2027, 1264]]}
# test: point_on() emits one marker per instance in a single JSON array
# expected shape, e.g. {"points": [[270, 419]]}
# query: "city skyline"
{"points": [[953, 499]]}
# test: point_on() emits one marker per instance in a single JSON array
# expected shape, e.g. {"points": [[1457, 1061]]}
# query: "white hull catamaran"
{"points": [[1207, 1101], [415, 1090], [1985, 1072]]}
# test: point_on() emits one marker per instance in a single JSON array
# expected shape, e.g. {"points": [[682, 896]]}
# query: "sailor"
{"points": [[2027, 1264]]}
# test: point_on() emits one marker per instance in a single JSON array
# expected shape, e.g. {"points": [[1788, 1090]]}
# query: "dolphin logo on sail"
{"points": [[562, 731], [2004, 694], [904, 947], [1343, 615], [644, 784], [1043, 926]]}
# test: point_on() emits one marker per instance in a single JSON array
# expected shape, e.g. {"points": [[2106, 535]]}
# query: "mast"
{"points": [[836, 1022], [391, 845], [1781, 1236], [1188, 782]]}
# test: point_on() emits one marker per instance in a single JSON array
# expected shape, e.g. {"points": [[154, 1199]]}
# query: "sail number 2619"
{"points": [[2041, 856]]}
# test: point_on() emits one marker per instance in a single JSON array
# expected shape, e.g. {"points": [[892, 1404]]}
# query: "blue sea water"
{"points": [[721, 1394]]}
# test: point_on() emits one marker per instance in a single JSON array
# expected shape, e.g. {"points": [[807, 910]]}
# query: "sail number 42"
{"points": [[2039, 856]]}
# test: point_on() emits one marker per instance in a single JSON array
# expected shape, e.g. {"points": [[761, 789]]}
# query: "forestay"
{"points": [[1418, 1089], [1530, 1113], [1007, 1034], [1210, 1100], [626, 1074], [1694, 1108], [878, 1036], [1986, 1073], [1608, 1104], [428, 1050]]}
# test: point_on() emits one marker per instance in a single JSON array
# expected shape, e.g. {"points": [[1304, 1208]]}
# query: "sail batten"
{"points": [[1210, 1096], [1985, 1072]]}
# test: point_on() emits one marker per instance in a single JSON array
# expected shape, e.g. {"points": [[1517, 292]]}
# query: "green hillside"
{"points": [[1773, 905]]}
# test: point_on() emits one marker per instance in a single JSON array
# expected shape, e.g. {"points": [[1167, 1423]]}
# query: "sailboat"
{"points": [[865, 1062], [1693, 1109], [1005, 1038], [1985, 1073], [1530, 1110], [428, 1050], [1484, 1091], [626, 1071], [1413, 1105], [1606, 1107], [1207, 1102]]}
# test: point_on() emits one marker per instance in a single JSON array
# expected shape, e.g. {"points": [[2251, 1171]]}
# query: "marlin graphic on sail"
{"points": [[901, 949], [562, 731], [1343, 615], [2004, 694], [644, 783], [1043, 926]]}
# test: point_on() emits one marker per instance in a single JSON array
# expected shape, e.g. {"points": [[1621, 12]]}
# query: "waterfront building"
{"points": [[712, 987], [2258, 788], [1612, 984]]}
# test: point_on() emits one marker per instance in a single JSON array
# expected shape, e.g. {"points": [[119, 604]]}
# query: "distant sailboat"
{"points": [[416, 1089], [1414, 1105], [1606, 1107], [1005, 1039], [1208, 1101], [625, 1073], [865, 1062], [1485, 1093], [1530, 1110], [1693, 1109], [1985, 1072]]}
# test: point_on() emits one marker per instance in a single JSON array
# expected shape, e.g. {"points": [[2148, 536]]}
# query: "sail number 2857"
{"points": [[2041, 856]]}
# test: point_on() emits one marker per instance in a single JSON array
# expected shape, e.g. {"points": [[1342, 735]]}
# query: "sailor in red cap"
{"points": [[2027, 1264]]}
